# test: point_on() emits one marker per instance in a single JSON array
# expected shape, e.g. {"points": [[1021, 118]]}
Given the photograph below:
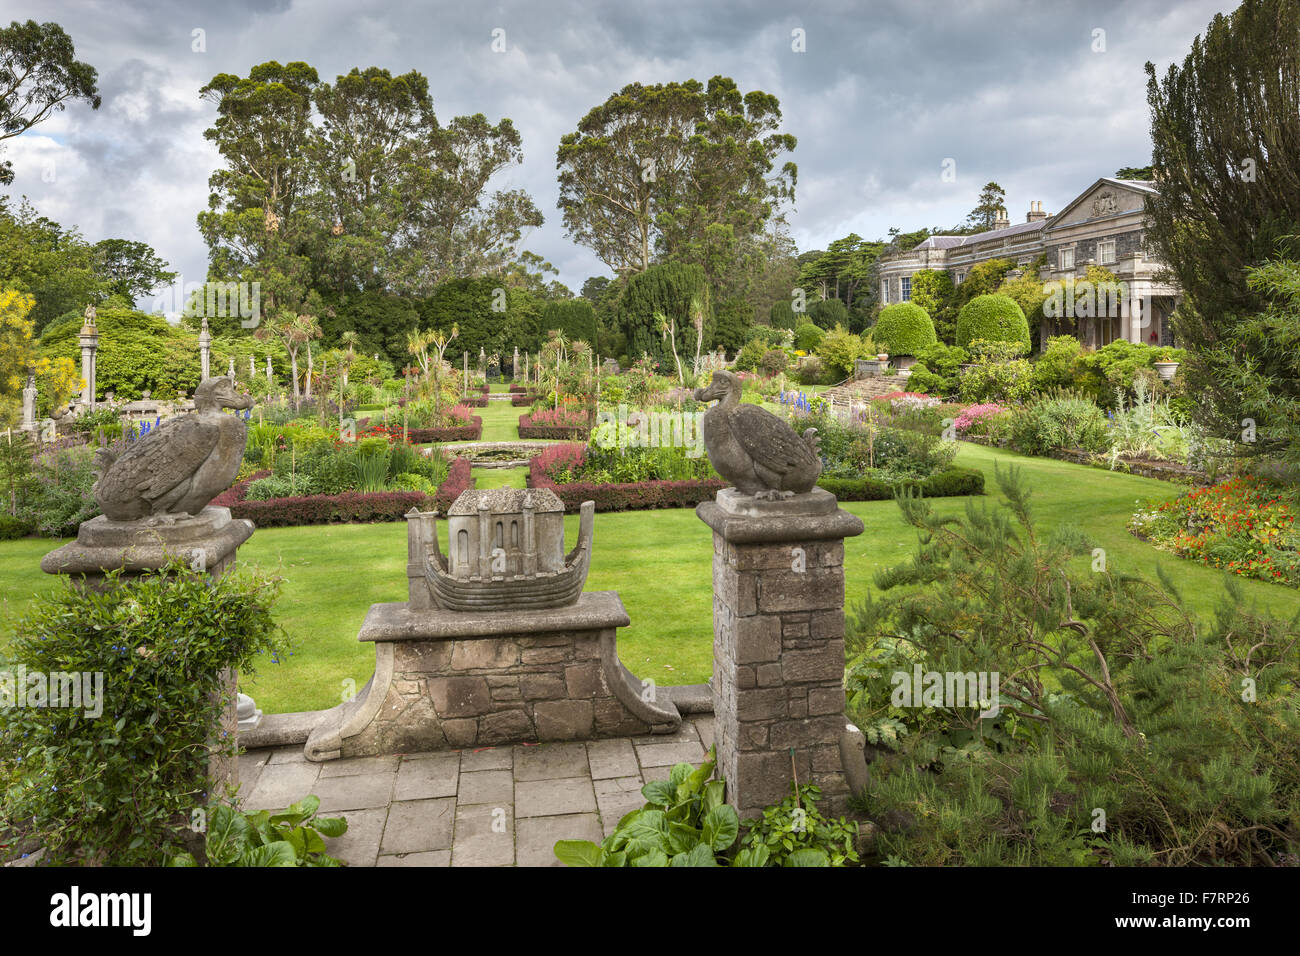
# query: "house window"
{"points": [[961, 277], [1065, 259], [1106, 252], [884, 291], [907, 288]]}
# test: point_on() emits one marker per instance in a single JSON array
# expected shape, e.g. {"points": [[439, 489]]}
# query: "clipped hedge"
{"points": [[953, 482], [523, 399], [518, 388], [996, 318], [904, 328], [349, 507], [627, 496], [474, 401], [560, 432], [471, 432]]}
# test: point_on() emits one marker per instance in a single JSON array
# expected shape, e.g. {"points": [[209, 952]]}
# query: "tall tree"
{"points": [[1225, 131], [992, 200], [675, 168], [130, 269], [39, 75]]}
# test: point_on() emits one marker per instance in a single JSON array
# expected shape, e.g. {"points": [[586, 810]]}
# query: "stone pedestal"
{"points": [[207, 542], [778, 648], [454, 680]]}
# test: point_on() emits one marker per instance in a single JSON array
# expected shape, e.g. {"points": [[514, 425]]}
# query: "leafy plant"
{"points": [[684, 823], [292, 837], [794, 833]]}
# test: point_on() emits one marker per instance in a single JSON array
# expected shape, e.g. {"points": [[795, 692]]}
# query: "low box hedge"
{"points": [[953, 482], [474, 401], [522, 399], [346, 508], [518, 388]]}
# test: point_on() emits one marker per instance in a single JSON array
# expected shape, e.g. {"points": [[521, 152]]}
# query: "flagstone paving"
{"points": [[500, 806]]}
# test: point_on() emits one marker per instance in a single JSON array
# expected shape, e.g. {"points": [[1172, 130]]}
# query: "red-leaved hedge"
{"points": [[518, 388], [530, 429], [475, 401], [626, 496], [522, 399], [450, 433], [351, 506]]}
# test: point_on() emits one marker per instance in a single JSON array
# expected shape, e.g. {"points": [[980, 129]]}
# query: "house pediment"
{"points": [[1106, 197]]}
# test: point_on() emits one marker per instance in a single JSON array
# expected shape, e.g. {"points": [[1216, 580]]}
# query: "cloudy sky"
{"points": [[1029, 94]]}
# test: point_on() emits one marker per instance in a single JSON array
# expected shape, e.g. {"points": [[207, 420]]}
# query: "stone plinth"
{"points": [[778, 649], [454, 680], [206, 542]]}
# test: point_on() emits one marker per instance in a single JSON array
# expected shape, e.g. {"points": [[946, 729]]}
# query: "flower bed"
{"points": [[554, 423], [350, 506], [1243, 526], [624, 496]]}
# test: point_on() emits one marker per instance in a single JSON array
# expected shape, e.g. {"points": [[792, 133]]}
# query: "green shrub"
{"points": [[61, 497], [808, 336], [829, 313], [750, 355], [796, 826], [811, 370], [1062, 421], [118, 788], [12, 527], [1112, 697], [1059, 365], [903, 328], [996, 318], [774, 362], [999, 374], [938, 370], [839, 350], [950, 483]]}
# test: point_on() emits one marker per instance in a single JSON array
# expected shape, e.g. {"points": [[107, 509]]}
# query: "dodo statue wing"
{"points": [[770, 441], [167, 457]]}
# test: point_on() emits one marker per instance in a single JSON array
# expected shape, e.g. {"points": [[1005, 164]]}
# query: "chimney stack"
{"points": [[1035, 213], [1001, 222]]}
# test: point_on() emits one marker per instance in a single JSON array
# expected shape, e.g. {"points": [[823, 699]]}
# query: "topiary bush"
{"points": [[904, 328], [996, 318], [808, 336], [774, 362]]}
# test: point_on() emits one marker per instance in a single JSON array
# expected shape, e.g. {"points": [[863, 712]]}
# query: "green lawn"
{"points": [[658, 561]]}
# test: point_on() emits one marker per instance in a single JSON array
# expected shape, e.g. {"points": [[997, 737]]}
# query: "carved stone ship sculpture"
{"points": [[505, 552]]}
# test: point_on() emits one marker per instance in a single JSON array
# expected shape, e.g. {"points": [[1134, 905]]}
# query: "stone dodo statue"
{"points": [[180, 466], [753, 449]]}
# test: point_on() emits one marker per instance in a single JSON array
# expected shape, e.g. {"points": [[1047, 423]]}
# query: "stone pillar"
{"points": [[268, 368], [29, 423], [205, 351], [465, 361], [230, 370], [89, 339], [514, 367], [778, 648], [525, 366], [252, 368]]}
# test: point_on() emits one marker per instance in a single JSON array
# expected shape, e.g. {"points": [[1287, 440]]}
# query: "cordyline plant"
{"points": [[1126, 731]]}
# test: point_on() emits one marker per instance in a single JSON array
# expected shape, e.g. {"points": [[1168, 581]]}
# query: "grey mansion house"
{"points": [[1102, 226]]}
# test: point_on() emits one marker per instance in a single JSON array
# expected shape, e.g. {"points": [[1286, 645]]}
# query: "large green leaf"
{"points": [[330, 826], [680, 773], [682, 838], [659, 792], [752, 856], [721, 826], [808, 857], [579, 853], [700, 855], [655, 857], [279, 853], [714, 792]]}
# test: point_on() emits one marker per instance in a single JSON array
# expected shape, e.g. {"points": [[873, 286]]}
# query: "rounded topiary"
{"points": [[903, 328], [996, 318], [808, 336]]}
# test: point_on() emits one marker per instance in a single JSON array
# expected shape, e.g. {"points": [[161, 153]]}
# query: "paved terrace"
{"points": [[439, 809]]}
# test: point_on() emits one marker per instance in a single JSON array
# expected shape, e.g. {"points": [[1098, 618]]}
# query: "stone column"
{"points": [[89, 339], [514, 368], [230, 370], [778, 647], [29, 423], [205, 351], [252, 368], [268, 368]]}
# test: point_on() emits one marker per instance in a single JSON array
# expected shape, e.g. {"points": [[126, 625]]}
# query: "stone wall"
{"points": [[545, 675]]}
